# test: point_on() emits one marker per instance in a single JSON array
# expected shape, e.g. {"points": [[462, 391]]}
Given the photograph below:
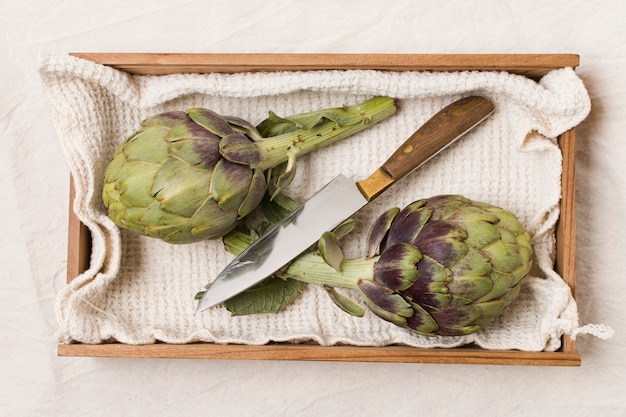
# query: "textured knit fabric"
{"points": [[140, 290]]}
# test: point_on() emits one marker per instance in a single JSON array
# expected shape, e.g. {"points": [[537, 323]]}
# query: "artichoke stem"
{"points": [[313, 269], [274, 149]]}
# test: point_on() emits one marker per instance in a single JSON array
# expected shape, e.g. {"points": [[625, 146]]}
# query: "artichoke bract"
{"points": [[445, 265], [186, 176]]}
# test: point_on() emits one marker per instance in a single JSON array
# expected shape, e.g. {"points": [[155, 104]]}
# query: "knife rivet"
{"points": [[408, 149]]}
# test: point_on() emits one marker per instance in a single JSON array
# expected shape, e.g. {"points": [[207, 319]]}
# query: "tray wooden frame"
{"points": [[531, 65]]}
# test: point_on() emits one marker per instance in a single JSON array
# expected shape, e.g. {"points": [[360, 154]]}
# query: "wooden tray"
{"points": [[532, 66]]}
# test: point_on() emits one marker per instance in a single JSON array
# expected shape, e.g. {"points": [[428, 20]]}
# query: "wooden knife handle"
{"points": [[438, 132]]}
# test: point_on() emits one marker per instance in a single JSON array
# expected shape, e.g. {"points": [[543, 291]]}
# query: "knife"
{"points": [[340, 199]]}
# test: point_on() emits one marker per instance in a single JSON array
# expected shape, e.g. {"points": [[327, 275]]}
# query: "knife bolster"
{"points": [[375, 184]]}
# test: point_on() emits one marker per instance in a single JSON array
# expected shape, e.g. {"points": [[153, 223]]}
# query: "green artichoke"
{"points": [[445, 265], [189, 176]]}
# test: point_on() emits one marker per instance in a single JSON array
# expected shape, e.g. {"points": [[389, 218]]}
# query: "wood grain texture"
{"points": [[533, 66], [311, 352], [530, 65], [565, 263], [443, 128], [438, 132]]}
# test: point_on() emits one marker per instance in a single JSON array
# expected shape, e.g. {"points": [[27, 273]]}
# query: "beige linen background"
{"points": [[34, 174]]}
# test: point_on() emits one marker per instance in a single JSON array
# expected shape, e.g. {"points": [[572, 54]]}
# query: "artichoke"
{"points": [[189, 176], [445, 265]]}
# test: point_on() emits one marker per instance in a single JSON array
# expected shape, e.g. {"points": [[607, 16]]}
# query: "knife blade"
{"points": [[340, 199]]}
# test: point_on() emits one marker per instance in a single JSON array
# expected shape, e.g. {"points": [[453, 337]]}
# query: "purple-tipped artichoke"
{"points": [[441, 266], [189, 176]]}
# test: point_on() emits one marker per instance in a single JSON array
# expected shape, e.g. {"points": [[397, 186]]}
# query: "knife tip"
{"points": [[202, 306]]}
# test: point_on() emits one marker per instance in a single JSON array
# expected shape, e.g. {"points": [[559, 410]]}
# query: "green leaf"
{"points": [[342, 116], [275, 125], [330, 250], [344, 228], [236, 241], [243, 126], [277, 208], [345, 303], [226, 184], [211, 121], [238, 148], [283, 174], [378, 231], [271, 296]]}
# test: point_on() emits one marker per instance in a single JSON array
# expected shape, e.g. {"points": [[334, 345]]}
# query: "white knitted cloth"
{"points": [[140, 290]]}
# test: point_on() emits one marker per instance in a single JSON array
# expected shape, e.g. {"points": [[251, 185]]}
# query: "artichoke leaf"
{"points": [[164, 223], [525, 253], [142, 146], [431, 288], [408, 223], [345, 303], [211, 220], [243, 126], [165, 120], [282, 175], [112, 171], [330, 250], [275, 125], [378, 231], [385, 303], [492, 307], [237, 148], [473, 263], [481, 227], [421, 321], [458, 317], [506, 219], [187, 129], [180, 188], [192, 143], [236, 241], [504, 256], [396, 268], [276, 209], [211, 121], [344, 228], [501, 283], [198, 147], [256, 191], [230, 184], [442, 241], [136, 179], [472, 287], [446, 206]]}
